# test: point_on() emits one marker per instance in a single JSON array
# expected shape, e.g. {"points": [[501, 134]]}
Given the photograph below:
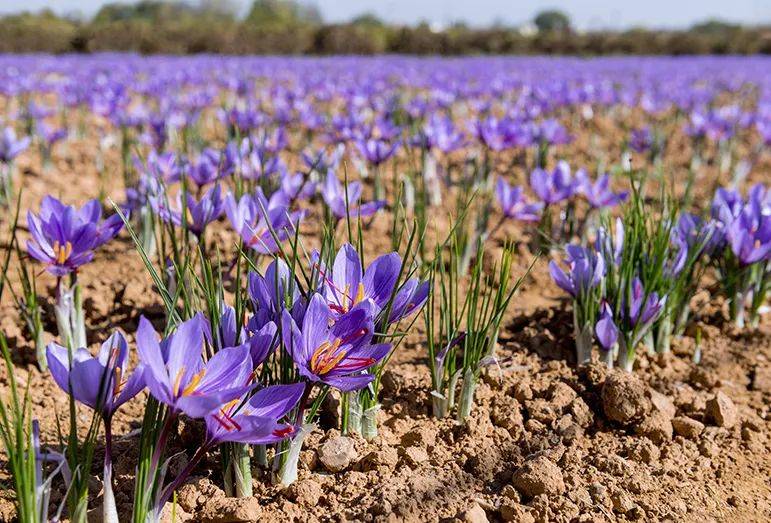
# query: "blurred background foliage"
{"points": [[289, 27]]}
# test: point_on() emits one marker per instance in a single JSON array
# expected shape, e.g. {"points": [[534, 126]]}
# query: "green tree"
{"points": [[552, 21]]}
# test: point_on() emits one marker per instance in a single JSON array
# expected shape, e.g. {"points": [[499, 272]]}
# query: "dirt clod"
{"points": [[687, 427], [538, 476], [624, 398], [722, 411], [336, 454]]}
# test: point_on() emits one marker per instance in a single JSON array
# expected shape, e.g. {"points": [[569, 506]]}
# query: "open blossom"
{"points": [[341, 206], [513, 202], [255, 420], [199, 213], [64, 237], [750, 235], [334, 353], [586, 270], [10, 146], [641, 140], [260, 222], [349, 284], [176, 374], [553, 187], [100, 382], [376, 150], [598, 193]]}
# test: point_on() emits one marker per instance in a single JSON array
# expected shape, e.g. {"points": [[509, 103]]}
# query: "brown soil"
{"points": [[545, 442]]}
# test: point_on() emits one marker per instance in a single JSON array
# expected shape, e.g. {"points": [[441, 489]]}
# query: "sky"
{"points": [[585, 14]]}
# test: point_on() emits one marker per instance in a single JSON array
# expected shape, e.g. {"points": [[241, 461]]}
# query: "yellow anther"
{"points": [[62, 252]]}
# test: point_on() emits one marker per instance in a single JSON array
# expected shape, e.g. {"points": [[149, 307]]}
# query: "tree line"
{"points": [[288, 27]]}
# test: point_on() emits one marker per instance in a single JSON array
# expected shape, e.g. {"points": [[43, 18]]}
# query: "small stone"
{"points": [[655, 427], [761, 379], [509, 492], [522, 392], [306, 492], [538, 476], [687, 427], [624, 398], [722, 411], [663, 403], [645, 452], [386, 457], [231, 510], [622, 503], [511, 511], [475, 514], [415, 456], [422, 435], [581, 413], [336, 454], [541, 410], [561, 395]]}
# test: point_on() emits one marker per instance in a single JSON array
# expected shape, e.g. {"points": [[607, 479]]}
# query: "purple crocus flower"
{"points": [[348, 285], [336, 354], [102, 382], [334, 195], [376, 150], [641, 140], [644, 310], [176, 374], [256, 219], [726, 205], [10, 146], [64, 238], [513, 203], [598, 194], [205, 169], [199, 213], [274, 292], [255, 420], [553, 187], [606, 330], [750, 235], [586, 271]]}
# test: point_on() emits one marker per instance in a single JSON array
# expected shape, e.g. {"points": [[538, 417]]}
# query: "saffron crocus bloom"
{"points": [[51, 135], [257, 219], [553, 187], [256, 420], [199, 213], [176, 374], [349, 285], [750, 235], [644, 310], [10, 146], [376, 150], [335, 197], [274, 292], [641, 140], [598, 193], [513, 203], [336, 354], [586, 271], [205, 168], [606, 330], [100, 382], [64, 238]]}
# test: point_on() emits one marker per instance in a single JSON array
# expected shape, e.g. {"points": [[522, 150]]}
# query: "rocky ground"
{"points": [[674, 441]]}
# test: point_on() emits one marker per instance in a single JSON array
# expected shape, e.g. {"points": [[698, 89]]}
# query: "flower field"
{"points": [[385, 289]]}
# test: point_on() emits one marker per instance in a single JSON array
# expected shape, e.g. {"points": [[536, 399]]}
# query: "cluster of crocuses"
{"points": [[552, 189], [743, 243], [635, 284], [234, 376]]}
